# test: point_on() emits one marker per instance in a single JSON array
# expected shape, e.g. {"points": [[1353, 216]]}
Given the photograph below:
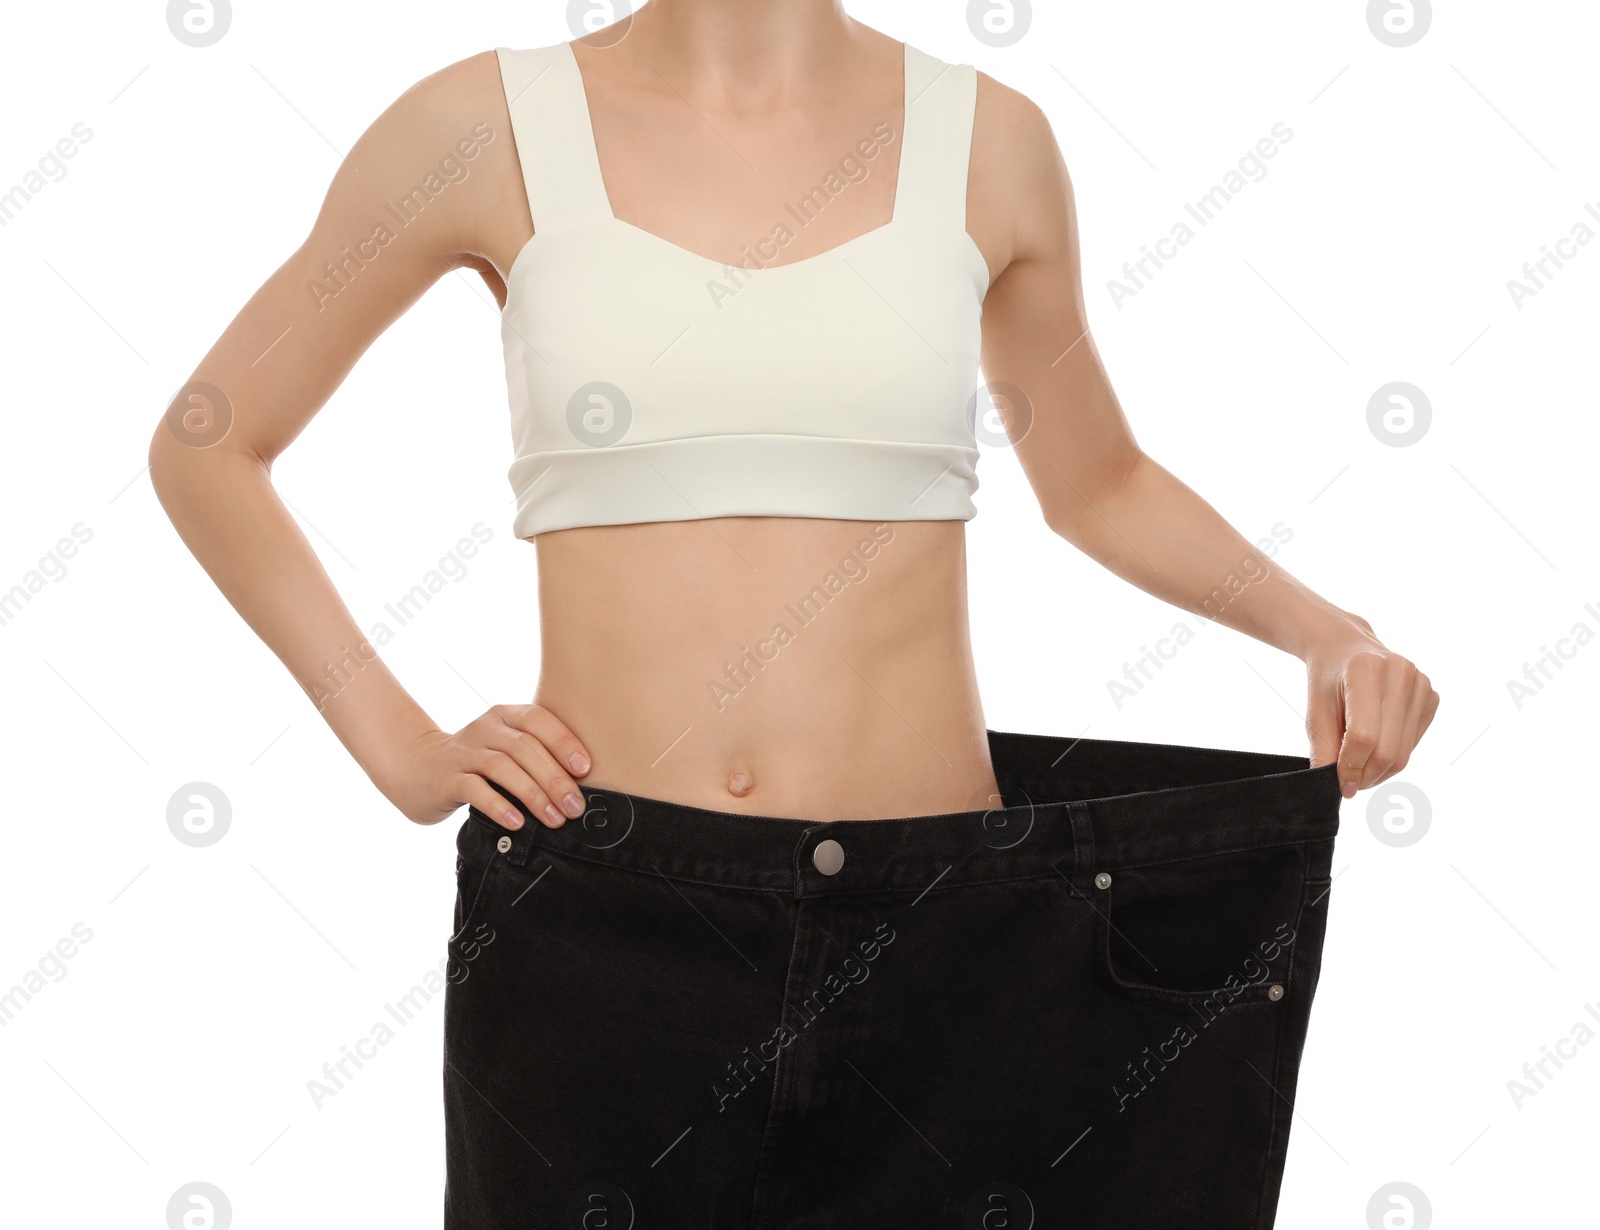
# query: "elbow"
{"points": [[165, 457], [186, 477], [156, 459], [198, 419], [194, 434]]}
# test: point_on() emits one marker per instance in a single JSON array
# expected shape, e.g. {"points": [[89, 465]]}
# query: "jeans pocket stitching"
{"points": [[1247, 994], [478, 899]]}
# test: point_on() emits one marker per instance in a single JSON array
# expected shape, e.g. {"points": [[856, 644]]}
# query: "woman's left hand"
{"points": [[1366, 706]]}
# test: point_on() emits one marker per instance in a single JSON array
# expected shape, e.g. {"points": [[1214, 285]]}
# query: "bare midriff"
{"points": [[773, 666]]}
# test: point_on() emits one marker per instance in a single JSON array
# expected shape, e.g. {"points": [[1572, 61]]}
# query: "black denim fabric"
{"points": [[1083, 1009]]}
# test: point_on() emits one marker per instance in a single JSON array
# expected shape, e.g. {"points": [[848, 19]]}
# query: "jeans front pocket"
{"points": [[1219, 927], [476, 874]]}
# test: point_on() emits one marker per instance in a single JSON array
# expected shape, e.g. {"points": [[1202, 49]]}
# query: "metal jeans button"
{"points": [[828, 857], [503, 845]]}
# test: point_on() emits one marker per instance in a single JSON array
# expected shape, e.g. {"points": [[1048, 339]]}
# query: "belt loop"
{"points": [[1082, 840]]}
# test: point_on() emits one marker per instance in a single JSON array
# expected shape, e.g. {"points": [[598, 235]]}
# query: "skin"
{"points": [[873, 709]]}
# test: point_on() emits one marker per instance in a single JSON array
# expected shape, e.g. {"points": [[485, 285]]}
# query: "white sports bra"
{"points": [[650, 383]]}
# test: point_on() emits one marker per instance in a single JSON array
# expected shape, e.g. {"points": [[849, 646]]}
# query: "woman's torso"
{"points": [[787, 666]]}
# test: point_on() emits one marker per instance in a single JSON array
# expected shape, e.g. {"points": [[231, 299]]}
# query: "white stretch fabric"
{"points": [[651, 383]]}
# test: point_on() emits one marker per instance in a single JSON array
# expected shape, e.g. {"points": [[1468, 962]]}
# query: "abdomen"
{"points": [[779, 666]]}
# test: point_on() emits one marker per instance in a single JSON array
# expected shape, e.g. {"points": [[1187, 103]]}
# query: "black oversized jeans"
{"points": [[1084, 1009]]}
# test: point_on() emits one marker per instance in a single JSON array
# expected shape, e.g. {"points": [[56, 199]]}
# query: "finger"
{"points": [[1420, 708], [1396, 735], [540, 764], [1324, 722], [556, 736], [476, 792], [503, 770], [1363, 705], [1430, 706]]}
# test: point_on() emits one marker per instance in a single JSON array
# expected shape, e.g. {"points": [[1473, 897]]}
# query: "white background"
{"points": [[178, 1043]]}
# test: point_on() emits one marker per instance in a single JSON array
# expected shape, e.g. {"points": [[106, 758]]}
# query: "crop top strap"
{"points": [[555, 140], [941, 100]]}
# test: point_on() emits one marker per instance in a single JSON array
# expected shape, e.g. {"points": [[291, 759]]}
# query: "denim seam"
{"points": [[471, 911], [785, 889], [1277, 1052], [1239, 784], [763, 1167], [1190, 858]]}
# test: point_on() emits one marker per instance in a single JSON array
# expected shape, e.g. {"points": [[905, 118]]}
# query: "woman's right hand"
{"points": [[524, 748]]}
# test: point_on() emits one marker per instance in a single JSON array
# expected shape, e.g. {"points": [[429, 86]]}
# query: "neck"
{"points": [[736, 54]]}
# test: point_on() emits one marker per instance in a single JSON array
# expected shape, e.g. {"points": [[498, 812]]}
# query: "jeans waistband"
{"points": [[1069, 807]]}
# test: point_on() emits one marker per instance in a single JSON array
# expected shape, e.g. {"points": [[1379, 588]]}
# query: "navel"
{"points": [[740, 783]]}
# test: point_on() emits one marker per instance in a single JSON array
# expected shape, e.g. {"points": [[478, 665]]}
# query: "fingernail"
{"points": [[552, 813], [513, 820], [573, 804], [578, 763], [1349, 789]]}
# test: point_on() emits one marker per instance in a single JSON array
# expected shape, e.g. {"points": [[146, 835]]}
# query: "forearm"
{"points": [[225, 509], [1155, 532]]}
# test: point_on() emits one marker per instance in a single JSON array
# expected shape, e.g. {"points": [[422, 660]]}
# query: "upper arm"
{"points": [[432, 185], [1064, 421]]}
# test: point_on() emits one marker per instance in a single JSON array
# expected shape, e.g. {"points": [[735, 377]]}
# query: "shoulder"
{"points": [[1017, 171], [441, 161], [1008, 121], [459, 95], [445, 115]]}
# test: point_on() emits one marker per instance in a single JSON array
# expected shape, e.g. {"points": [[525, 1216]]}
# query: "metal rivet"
{"points": [[828, 857], [503, 845], [1103, 880], [1275, 991]]}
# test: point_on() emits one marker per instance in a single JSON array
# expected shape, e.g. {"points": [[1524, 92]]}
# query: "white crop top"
{"points": [[650, 383]]}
